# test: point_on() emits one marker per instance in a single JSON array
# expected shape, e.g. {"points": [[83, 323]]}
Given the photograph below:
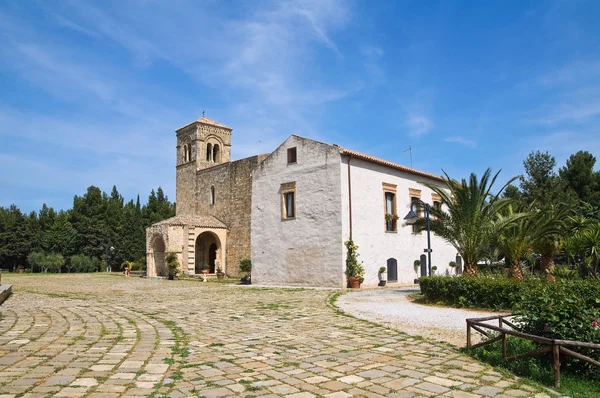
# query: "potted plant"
{"points": [[354, 269], [246, 270], [433, 269], [21, 269], [453, 265], [172, 265], [220, 273], [382, 276], [417, 264], [205, 269]]}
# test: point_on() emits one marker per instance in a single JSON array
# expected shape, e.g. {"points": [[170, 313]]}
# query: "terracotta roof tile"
{"points": [[196, 221], [382, 162], [205, 120]]}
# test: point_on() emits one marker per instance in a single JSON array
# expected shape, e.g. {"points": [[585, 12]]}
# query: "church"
{"points": [[291, 211]]}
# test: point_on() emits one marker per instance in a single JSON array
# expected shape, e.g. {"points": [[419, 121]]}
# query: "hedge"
{"points": [[501, 293]]}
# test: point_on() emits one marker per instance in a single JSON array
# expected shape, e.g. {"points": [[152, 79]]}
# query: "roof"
{"points": [[192, 220], [205, 120], [382, 162]]}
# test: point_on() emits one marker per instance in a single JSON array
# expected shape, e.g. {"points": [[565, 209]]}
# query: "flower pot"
{"points": [[354, 282], [382, 283], [246, 280], [220, 275], [21, 270], [382, 276], [205, 271], [171, 277]]}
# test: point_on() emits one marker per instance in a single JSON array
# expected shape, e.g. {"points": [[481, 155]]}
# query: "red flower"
{"points": [[595, 324]]}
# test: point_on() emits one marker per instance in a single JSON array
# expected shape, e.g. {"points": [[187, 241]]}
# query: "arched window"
{"points": [[216, 153], [189, 153], [185, 153], [208, 152], [212, 195]]}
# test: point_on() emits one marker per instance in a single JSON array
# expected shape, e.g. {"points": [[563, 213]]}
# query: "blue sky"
{"points": [[91, 92]]}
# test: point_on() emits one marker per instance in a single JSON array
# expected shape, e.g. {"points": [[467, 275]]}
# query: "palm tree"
{"points": [[585, 243], [468, 218], [551, 225], [517, 238]]}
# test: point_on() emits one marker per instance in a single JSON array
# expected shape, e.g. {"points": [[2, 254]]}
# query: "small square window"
{"points": [[291, 155]]}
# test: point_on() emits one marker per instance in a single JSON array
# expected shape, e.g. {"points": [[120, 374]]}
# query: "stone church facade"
{"points": [[290, 212], [213, 196]]}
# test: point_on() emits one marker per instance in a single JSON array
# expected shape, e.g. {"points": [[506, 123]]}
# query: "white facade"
{"points": [[308, 249], [376, 245]]}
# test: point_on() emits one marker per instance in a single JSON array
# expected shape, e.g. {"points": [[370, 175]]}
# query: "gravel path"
{"points": [[392, 307]]}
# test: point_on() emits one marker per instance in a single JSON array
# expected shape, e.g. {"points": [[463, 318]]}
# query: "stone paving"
{"points": [[110, 336]]}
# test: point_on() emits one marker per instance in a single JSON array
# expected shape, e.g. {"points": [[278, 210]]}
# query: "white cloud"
{"points": [[419, 124], [461, 140]]}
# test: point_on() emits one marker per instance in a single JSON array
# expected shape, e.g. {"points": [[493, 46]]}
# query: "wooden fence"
{"points": [[557, 347]]}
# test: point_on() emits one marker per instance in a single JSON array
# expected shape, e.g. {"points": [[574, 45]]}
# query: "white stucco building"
{"points": [[290, 212], [308, 198]]}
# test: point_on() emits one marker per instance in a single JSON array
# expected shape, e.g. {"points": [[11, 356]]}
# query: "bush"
{"points": [[246, 266], [172, 264], [563, 311], [481, 292], [81, 263], [354, 269]]}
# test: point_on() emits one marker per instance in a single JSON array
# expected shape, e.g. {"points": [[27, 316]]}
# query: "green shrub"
{"points": [[567, 310], [481, 292], [172, 264], [81, 263], [246, 266], [354, 269]]}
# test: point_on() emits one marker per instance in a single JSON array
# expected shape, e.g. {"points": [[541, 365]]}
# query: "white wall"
{"points": [[307, 250], [375, 244]]}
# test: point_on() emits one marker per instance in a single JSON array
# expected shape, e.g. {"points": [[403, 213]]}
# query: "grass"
{"points": [[537, 370]]}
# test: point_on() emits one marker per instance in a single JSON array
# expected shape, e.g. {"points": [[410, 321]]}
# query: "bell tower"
{"points": [[204, 142], [201, 144]]}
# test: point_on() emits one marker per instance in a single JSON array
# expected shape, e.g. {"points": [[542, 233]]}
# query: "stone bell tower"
{"points": [[201, 144]]}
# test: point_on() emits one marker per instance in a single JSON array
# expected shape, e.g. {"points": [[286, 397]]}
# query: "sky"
{"points": [[91, 92]]}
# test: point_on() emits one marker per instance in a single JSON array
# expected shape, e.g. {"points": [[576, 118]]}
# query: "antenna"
{"points": [[259, 142], [410, 152]]}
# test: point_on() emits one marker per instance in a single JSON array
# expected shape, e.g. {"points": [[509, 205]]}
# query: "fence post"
{"points": [[556, 357], [504, 355], [468, 334]]}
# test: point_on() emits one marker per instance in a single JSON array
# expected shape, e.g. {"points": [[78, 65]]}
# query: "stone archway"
{"points": [[208, 249], [158, 256]]}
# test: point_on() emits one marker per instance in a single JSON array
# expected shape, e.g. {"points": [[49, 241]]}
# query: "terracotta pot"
{"points": [[21, 270], [220, 275], [354, 282], [205, 271]]}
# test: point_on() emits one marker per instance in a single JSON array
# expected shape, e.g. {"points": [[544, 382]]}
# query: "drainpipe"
{"points": [[350, 196]]}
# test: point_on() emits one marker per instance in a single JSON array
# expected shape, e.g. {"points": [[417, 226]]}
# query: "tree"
{"points": [[550, 227], [16, 238], [516, 240], [579, 177], [468, 219], [88, 217], [541, 185]]}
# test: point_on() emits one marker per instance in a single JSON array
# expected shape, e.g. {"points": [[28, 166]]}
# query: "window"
{"points": [[189, 153], [437, 202], [390, 212], [212, 195], [291, 155], [216, 153], [415, 199], [208, 152], [185, 153], [288, 200]]}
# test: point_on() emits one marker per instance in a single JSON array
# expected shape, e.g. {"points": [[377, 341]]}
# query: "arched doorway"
{"points": [[158, 253], [207, 252]]}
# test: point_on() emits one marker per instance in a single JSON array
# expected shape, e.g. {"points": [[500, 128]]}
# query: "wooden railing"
{"points": [[557, 347]]}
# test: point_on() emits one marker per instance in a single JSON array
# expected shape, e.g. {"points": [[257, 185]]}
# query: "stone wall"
{"points": [[185, 188], [232, 183]]}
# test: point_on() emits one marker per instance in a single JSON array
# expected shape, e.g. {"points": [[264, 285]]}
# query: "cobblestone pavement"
{"points": [[109, 336]]}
